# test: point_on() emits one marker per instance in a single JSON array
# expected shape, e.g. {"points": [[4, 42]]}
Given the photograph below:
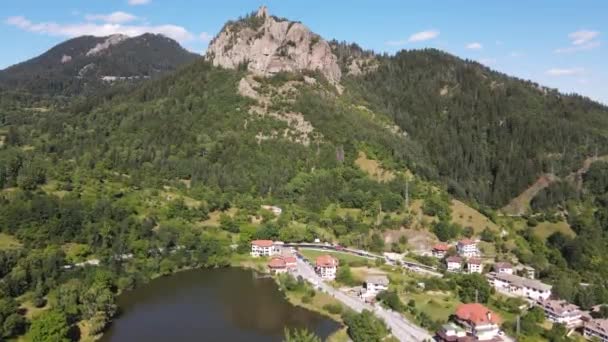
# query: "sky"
{"points": [[558, 43]]}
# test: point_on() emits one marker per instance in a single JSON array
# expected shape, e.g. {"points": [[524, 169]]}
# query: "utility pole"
{"points": [[407, 194], [476, 296], [518, 327]]}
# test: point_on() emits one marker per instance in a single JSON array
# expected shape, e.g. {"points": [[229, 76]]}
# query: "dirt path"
{"points": [[520, 204]]}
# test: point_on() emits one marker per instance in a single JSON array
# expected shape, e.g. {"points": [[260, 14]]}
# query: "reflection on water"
{"points": [[211, 305]]}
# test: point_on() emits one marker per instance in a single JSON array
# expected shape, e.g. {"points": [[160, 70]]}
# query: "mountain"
{"points": [[356, 148], [269, 45], [86, 63]]}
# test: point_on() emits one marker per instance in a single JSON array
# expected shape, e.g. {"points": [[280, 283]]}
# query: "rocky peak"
{"points": [[269, 45]]}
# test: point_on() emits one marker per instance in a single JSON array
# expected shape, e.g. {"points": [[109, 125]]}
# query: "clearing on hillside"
{"points": [[469, 217], [8, 242], [373, 168], [545, 229]]}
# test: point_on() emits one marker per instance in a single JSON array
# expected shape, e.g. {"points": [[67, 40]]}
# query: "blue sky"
{"points": [[557, 43]]}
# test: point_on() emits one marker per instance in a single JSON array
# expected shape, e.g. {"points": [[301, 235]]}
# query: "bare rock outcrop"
{"points": [[269, 45]]}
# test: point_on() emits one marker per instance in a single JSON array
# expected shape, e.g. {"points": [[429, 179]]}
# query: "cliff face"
{"points": [[270, 45]]}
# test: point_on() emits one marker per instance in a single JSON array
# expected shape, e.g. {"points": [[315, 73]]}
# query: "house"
{"points": [[282, 263], [519, 286], [529, 272], [454, 264], [474, 322], [290, 262], [440, 250], [503, 267], [263, 248], [560, 311], [467, 248], [597, 328], [451, 332], [373, 285], [277, 265], [474, 265], [326, 266]]}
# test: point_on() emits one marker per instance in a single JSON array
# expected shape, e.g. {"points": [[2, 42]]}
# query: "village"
{"points": [[468, 321]]}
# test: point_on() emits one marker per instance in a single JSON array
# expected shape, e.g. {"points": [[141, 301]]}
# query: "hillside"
{"points": [[383, 153], [87, 63], [488, 136]]}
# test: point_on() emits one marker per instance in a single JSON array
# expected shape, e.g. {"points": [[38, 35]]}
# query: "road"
{"points": [[400, 327], [410, 265]]}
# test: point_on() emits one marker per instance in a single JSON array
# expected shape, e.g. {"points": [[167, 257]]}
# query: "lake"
{"points": [[228, 304]]}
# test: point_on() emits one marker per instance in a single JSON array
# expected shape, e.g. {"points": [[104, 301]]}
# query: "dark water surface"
{"points": [[211, 305]]}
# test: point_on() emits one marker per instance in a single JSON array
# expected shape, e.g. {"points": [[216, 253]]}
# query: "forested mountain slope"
{"points": [[88, 63], [190, 159], [488, 135]]}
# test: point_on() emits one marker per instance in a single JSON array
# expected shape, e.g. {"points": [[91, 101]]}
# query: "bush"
{"points": [[306, 299], [335, 309]]}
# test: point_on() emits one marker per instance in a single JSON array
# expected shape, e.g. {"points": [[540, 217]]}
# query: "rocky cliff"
{"points": [[269, 45]]}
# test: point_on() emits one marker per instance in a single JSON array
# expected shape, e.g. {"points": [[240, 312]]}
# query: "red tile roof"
{"points": [[467, 242], [277, 263], [326, 261], [262, 243], [474, 261], [500, 265], [476, 314], [441, 247], [290, 259], [454, 259]]}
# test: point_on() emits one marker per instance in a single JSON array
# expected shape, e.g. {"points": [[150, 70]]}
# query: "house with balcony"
{"points": [[468, 248], [453, 264], [503, 267], [373, 285], [474, 265], [326, 267], [519, 286], [473, 322], [440, 250], [562, 312], [266, 248], [596, 328]]}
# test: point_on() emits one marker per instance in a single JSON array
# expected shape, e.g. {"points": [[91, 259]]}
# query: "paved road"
{"points": [[401, 328], [410, 265]]}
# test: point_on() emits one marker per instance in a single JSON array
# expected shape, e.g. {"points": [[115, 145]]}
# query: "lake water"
{"points": [[211, 305]]}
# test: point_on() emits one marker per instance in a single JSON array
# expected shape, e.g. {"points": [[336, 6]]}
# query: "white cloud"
{"points": [[424, 35], [583, 36], [580, 41], [138, 2], [94, 29], [474, 46], [583, 47], [565, 71], [205, 37], [416, 37], [113, 18], [516, 54]]}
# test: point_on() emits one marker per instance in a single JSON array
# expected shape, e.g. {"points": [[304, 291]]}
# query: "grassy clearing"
{"points": [[249, 262], [312, 254], [214, 217], [373, 168], [438, 305], [469, 217], [545, 229], [8, 242]]}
